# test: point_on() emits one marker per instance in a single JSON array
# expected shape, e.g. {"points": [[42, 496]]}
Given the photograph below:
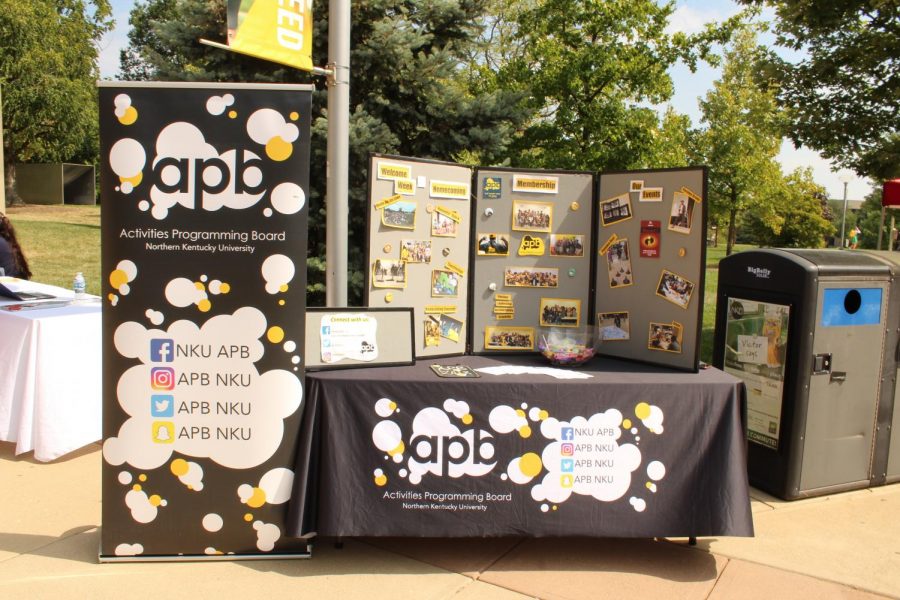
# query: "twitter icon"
{"points": [[162, 405]]}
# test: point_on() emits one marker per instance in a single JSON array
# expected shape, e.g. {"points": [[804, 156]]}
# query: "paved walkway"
{"points": [[843, 546]]}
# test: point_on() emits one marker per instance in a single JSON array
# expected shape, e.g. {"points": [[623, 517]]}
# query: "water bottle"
{"points": [[78, 286]]}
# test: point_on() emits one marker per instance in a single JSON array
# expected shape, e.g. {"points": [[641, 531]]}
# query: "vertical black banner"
{"points": [[204, 231]]}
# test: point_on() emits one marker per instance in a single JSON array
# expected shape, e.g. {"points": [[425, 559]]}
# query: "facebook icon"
{"points": [[568, 434], [161, 350]]}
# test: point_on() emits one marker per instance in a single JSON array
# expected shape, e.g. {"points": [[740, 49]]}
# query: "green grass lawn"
{"points": [[61, 240]]}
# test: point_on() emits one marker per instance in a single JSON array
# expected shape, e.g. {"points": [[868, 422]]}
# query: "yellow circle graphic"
{"points": [[257, 499], [248, 517], [467, 419], [155, 500], [626, 423], [642, 410], [204, 305], [398, 450], [232, 114], [224, 288], [130, 116], [530, 464], [118, 278], [294, 116], [278, 150], [381, 481], [525, 431], [179, 467], [275, 334]]}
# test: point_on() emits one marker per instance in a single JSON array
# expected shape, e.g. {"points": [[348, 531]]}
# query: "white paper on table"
{"points": [[352, 336]]}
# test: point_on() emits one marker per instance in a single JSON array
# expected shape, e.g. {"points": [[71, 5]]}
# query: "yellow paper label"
{"points": [[450, 214], [503, 296], [393, 171], [504, 316], [612, 240], [452, 266], [440, 309], [691, 194], [449, 189], [407, 187], [535, 184], [388, 201]]}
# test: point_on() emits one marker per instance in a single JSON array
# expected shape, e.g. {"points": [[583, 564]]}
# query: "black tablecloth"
{"points": [[633, 451]]}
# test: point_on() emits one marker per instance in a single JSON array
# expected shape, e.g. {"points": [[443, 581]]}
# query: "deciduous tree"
{"points": [[48, 70]]}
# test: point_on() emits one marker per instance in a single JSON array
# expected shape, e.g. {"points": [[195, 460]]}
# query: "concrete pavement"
{"points": [[843, 546]]}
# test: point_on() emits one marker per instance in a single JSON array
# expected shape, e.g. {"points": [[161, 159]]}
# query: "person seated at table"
{"points": [[12, 259]]}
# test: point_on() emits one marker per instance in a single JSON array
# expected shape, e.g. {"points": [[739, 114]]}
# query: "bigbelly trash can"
{"points": [[808, 333]]}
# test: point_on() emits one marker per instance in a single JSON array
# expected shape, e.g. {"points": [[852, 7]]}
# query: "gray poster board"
{"points": [[418, 247], [557, 246], [649, 287], [390, 342]]}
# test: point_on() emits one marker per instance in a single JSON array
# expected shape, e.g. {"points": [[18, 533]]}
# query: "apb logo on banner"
{"points": [[204, 234]]}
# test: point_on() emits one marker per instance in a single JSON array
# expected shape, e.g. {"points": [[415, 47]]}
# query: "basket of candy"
{"points": [[569, 346]]}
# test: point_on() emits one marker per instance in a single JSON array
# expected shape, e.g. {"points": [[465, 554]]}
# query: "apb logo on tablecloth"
{"points": [[595, 457], [204, 243]]}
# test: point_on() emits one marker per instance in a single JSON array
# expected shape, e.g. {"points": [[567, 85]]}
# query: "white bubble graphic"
{"points": [[289, 346], [384, 407], [215, 287], [122, 102], [434, 424], [288, 198], [277, 484], [639, 504], [277, 271], [154, 316], [142, 510], [268, 212], [252, 415], [182, 292], [125, 478], [266, 535], [127, 187], [213, 522], [656, 470], [545, 508], [266, 123], [127, 158], [216, 105], [143, 206], [457, 409], [386, 436], [504, 419], [129, 549]]}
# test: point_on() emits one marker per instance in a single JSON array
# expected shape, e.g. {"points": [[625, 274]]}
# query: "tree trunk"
{"points": [[9, 186], [732, 227]]}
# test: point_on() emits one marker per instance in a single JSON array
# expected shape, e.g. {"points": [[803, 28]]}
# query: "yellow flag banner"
{"points": [[275, 30]]}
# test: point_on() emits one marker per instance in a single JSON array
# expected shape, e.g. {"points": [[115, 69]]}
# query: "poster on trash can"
{"points": [[756, 336], [204, 190]]}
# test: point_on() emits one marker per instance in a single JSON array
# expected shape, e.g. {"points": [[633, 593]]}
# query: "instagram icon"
{"points": [[162, 378]]}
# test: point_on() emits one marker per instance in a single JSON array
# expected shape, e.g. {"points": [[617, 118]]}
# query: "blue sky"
{"points": [[689, 16]]}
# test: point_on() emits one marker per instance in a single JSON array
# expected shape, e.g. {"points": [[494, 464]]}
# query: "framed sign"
{"points": [[343, 338]]}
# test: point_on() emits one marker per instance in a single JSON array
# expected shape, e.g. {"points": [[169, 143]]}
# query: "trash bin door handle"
{"points": [[839, 376]]}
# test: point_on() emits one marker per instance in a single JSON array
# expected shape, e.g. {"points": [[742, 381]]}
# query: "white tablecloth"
{"points": [[50, 374]]}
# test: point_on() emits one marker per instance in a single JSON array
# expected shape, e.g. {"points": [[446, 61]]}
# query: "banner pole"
{"points": [[337, 204]]}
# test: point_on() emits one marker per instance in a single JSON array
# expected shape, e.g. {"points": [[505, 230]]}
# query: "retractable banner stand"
{"points": [[204, 233]]}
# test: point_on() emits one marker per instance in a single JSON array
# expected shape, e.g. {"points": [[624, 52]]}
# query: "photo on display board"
{"points": [[560, 312], [615, 210], [443, 226], [432, 332], [444, 284], [415, 251], [532, 216], [389, 273], [675, 288], [536, 277], [451, 328], [682, 213], [567, 245], [665, 337], [618, 264], [614, 326], [493, 244], [399, 215], [508, 338]]}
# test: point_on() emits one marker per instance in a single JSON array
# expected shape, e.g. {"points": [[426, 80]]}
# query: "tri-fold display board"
{"points": [[489, 259]]}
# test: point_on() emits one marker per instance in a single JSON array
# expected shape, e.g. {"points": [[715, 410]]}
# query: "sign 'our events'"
{"points": [[204, 191]]}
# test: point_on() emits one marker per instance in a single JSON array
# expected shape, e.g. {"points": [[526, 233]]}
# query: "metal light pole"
{"points": [[337, 205]]}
